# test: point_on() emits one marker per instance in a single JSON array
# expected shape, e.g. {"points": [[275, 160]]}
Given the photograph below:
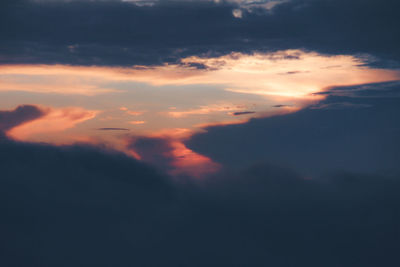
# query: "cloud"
{"points": [[21, 114], [237, 13], [242, 113], [71, 199], [354, 129], [280, 106], [54, 120], [202, 110], [121, 33], [58, 79], [113, 129], [74, 205], [61, 87], [258, 74], [157, 151], [134, 113], [169, 154], [343, 105], [137, 122]]}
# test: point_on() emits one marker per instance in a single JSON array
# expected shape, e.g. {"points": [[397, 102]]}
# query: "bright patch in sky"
{"points": [[84, 101]]}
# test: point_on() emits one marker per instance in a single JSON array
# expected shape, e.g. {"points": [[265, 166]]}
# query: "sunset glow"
{"points": [[285, 79], [199, 133]]}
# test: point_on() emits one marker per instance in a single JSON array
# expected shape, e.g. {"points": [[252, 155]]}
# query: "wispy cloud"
{"points": [[113, 129], [55, 120], [137, 122]]}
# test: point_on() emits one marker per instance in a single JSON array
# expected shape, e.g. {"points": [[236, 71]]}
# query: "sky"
{"points": [[199, 132]]}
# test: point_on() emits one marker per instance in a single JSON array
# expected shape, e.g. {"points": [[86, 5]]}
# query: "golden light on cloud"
{"points": [[135, 113], [292, 73], [26, 79], [173, 133], [183, 159], [187, 161], [137, 122], [55, 120], [289, 74], [202, 110], [286, 79]]}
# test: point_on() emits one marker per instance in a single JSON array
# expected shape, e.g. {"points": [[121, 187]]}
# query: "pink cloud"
{"points": [[54, 120]]}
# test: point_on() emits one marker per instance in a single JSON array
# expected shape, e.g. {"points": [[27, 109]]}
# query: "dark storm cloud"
{"points": [[354, 129], [83, 206], [21, 114], [121, 33]]}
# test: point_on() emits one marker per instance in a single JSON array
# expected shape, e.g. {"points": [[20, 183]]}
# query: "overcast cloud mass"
{"points": [[117, 32]]}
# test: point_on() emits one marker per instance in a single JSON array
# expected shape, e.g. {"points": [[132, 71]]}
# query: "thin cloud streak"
{"points": [[113, 129]]}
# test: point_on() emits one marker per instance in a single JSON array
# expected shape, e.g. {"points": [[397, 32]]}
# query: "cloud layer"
{"points": [[85, 206], [121, 33], [354, 129]]}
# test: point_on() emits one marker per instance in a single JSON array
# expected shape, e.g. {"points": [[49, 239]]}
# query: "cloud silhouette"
{"points": [[354, 129], [80, 205], [21, 114], [242, 113], [118, 32]]}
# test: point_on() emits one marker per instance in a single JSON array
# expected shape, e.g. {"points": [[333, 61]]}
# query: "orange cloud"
{"points": [[173, 133], [55, 120], [222, 123], [134, 113], [137, 122], [201, 110], [187, 161], [167, 150]]}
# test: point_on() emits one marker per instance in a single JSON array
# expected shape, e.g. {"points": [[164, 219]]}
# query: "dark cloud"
{"points": [[355, 129], [113, 129], [68, 205], [340, 105], [21, 114], [373, 90], [154, 150], [280, 106], [293, 72], [84, 206], [121, 33], [242, 113]]}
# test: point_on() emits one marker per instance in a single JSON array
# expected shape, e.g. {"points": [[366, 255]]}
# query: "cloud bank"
{"points": [[125, 34], [86, 206], [354, 129]]}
